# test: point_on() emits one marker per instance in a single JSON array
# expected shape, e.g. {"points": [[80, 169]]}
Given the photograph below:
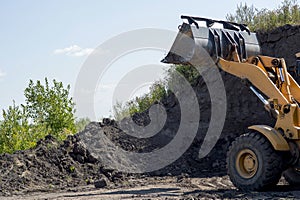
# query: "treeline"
{"points": [[264, 19]]}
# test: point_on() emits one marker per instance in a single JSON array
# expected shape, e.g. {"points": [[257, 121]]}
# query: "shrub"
{"points": [[140, 104], [157, 91], [81, 123]]}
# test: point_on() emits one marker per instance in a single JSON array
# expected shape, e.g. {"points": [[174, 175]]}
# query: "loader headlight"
{"points": [[298, 67]]}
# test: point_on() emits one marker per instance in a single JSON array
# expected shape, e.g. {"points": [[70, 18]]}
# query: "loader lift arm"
{"points": [[270, 76]]}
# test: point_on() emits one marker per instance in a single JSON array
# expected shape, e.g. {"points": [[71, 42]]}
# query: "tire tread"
{"points": [[272, 168]]}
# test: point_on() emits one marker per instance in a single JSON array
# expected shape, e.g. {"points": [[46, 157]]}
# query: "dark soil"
{"points": [[282, 42]]}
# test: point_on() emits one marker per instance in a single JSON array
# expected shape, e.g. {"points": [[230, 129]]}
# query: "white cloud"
{"points": [[74, 50], [107, 86], [2, 74]]}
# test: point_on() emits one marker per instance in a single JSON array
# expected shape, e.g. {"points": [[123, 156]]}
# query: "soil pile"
{"points": [[51, 166], [243, 110], [282, 42]]}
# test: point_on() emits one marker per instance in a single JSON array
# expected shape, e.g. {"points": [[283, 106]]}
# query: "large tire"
{"points": [[292, 176], [252, 163]]}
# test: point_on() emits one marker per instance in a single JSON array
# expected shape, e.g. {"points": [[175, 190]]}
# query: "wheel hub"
{"points": [[246, 163]]}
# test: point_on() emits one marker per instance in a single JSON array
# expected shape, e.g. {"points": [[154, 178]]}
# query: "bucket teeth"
{"points": [[192, 38]]}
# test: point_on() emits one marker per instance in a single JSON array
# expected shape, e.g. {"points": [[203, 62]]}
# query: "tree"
{"points": [[50, 106], [287, 13], [14, 129], [47, 110], [243, 15]]}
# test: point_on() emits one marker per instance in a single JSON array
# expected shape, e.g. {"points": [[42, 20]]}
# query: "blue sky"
{"points": [[53, 38]]}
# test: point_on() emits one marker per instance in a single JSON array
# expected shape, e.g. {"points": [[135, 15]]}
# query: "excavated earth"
{"points": [[69, 169]]}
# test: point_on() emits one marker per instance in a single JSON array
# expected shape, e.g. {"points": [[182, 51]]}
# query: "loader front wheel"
{"points": [[292, 176], [252, 163]]}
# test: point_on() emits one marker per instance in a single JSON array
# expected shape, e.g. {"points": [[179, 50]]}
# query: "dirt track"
{"points": [[166, 188]]}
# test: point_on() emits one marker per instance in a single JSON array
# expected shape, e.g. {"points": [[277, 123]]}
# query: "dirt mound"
{"points": [[243, 110], [51, 166], [282, 42]]}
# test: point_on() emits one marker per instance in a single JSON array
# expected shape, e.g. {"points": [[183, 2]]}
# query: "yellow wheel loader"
{"points": [[257, 159]]}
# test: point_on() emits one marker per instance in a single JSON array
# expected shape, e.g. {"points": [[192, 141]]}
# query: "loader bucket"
{"points": [[192, 39]]}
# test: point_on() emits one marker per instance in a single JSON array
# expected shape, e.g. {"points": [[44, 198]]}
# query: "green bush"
{"points": [[140, 104], [189, 72], [14, 130], [287, 13], [47, 110], [50, 106], [81, 123], [157, 91]]}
